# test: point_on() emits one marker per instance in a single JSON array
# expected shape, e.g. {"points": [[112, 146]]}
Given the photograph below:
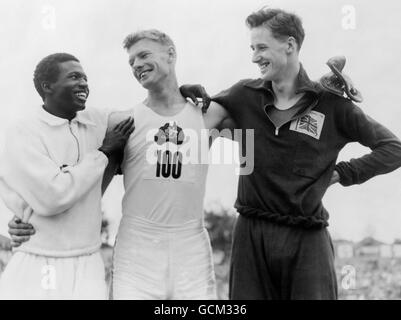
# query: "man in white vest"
{"points": [[163, 249]]}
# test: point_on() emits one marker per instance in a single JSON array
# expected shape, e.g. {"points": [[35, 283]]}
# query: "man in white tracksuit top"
{"points": [[51, 175]]}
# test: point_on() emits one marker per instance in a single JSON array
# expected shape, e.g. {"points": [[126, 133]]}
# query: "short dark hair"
{"points": [[48, 70], [281, 23], [151, 34]]}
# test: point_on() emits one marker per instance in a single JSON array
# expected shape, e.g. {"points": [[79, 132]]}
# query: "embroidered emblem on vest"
{"points": [[170, 132], [310, 124]]}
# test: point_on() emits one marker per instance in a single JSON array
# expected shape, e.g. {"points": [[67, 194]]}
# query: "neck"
{"points": [[165, 95], [52, 109], [285, 87]]}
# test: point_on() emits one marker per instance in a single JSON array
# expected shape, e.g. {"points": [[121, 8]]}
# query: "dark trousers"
{"points": [[277, 262]]}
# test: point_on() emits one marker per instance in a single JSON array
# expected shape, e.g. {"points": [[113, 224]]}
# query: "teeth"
{"points": [[81, 95], [143, 74], [264, 66]]}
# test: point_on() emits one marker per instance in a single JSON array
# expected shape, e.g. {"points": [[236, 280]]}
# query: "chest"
{"points": [[167, 148], [311, 137], [68, 144]]}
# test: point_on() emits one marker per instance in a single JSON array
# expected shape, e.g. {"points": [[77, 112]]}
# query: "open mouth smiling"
{"points": [[263, 66], [81, 95], [141, 75]]}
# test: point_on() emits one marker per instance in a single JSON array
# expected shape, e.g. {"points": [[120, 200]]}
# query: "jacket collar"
{"points": [[303, 84], [52, 120]]}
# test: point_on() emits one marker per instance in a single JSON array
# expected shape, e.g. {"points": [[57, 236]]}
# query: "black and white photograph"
{"points": [[198, 150]]}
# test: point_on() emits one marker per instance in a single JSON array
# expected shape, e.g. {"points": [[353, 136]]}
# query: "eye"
{"points": [[75, 76]]}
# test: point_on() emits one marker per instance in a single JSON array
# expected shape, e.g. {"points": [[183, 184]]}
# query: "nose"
{"points": [[255, 57], [83, 82], [137, 65]]}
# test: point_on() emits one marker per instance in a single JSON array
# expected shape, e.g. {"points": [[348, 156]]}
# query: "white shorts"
{"points": [[28, 276], [162, 262]]}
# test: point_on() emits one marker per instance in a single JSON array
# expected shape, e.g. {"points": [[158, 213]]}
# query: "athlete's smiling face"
{"points": [[269, 53], [151, 62], [69, 92]]}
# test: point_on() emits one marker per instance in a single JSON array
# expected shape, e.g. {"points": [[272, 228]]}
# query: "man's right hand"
{"points": [[115, 139], [20, 232], [195, 91]]}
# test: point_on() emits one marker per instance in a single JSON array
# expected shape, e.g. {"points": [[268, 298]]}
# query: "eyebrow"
{"points": [[142, 52], [77, 72], [258, 45], [131, 60]]}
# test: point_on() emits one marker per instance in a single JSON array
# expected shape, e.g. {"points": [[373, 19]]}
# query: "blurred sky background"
{"points": [[213, 49]]}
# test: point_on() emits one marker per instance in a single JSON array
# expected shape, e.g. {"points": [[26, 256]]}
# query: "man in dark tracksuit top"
{"points": [[281, 246]]}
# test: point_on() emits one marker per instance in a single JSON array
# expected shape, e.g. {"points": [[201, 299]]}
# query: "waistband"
{"points": [[152, 226], [307, 222], [58, 253]]}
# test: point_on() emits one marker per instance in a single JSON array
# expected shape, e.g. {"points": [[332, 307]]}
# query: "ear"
{"points": [[292, 45], [172, 54], [46, 87]]}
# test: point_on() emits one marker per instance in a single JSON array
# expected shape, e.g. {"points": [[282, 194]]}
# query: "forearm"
{"points": [[356, 126], [384, 158], [49, 190], [111, 170], [12, 200]]}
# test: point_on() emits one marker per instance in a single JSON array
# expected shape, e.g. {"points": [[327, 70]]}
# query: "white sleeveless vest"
{"points": [[165, 167]]}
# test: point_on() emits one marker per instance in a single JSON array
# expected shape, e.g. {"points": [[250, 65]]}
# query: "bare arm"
{"points": [[114, 165], [217, 117]]}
